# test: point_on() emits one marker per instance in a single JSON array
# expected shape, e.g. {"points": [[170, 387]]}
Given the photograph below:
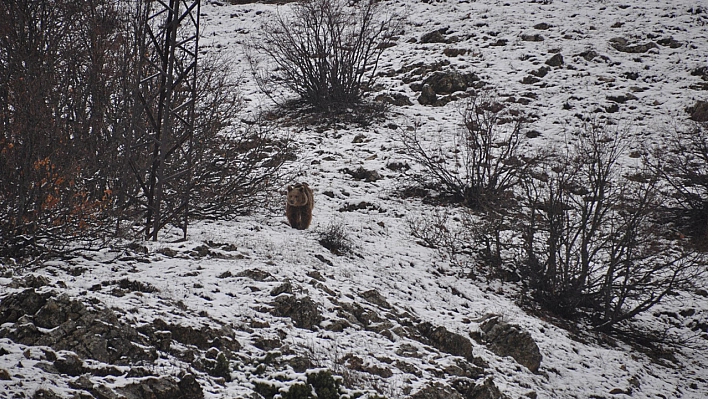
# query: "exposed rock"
{"points": [[100, 391], [510, 340], [415, 71], [70, 364], [30, 281], [357, 314], [446, 341], [699, 111], [356, 363], [534, 37], [57, 311], [266, 343], [622, 45], [256, 274], [540, 72], [203, 338], [300, 364], [163, 388], [17, 305], [44, 393], [701, 71], [669, 42], [622, 98], [5, 375], [286, 287], [436, 36], [362, 174], [303, 311], [450, 81], [454, 52], [91, 333], [398, 99], [529, 80], [556, 60], [83, 382], [471, 390], [376, 298], [408, 350], [437, 390]]}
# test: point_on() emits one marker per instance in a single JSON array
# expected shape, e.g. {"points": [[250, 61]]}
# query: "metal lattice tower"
{"points": [[169, 45]]}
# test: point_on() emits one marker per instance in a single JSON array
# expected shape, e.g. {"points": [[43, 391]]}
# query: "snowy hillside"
{"points": [[390, 317]]}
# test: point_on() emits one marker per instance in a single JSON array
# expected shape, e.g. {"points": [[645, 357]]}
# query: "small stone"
{"points": [[555, 61]]}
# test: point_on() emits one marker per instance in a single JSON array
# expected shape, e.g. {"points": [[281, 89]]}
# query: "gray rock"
{"points": [[436, 36], [446, 82], [397, 99], [5, 375], [437, 391], [473, 390], [622, 45], [699, 111], [304, 312], [376, 298], [447, 341], [70, 364], [44, 393], [535, 37], [506, 339], [556, 60]]}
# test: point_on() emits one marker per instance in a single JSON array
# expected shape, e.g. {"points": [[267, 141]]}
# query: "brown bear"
{"points": [[298, 207]]}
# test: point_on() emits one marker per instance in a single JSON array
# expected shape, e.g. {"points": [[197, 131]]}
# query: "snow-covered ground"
{"points": [[226, 273]]}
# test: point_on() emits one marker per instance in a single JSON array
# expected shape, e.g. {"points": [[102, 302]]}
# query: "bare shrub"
{"points": [[326, 52], [236, 165], [484, 161], [682, 163], [592, 244], [335, 238]]}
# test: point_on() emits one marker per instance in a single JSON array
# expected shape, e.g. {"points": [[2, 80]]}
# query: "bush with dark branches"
{"points": [[682, 163], [483, 162], [593, 242], [326, 52]]}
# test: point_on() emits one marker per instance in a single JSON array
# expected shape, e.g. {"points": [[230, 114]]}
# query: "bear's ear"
{"points": [[290, 188]]}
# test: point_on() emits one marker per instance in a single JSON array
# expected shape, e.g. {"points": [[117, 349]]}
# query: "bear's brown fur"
{"points": [[298, 207]]}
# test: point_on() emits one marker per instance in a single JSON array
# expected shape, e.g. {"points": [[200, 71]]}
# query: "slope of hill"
{"points": [[252, 306]]}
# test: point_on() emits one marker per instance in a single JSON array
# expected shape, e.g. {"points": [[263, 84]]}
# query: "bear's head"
{"points": [[297, 195]]}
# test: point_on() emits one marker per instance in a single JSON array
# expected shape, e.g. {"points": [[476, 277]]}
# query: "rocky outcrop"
{"points": [[506, 339], [622, 45], [699, 111], [303, 311], [65, 324]]}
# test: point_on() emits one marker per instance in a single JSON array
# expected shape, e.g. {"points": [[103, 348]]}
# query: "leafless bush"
{"points": [[335, 238], [682, 163], [591, 240], [236, 164], [327, 52], [484, 162]]}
